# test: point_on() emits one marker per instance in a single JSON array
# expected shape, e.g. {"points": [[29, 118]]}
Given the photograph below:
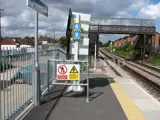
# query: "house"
{"points": [[156, 40], [8, 43], [45, 40], [22, 43], [124, 40], [131, 39], [116, 43]]}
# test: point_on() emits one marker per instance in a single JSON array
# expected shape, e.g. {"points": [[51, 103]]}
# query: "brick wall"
{"points": [[156, 42]]}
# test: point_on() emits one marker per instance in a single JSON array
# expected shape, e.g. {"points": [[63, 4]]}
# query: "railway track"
{"points": [[149, 74]]}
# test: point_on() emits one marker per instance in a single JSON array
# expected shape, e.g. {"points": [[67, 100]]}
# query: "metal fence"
{"points": [[16, 75]]}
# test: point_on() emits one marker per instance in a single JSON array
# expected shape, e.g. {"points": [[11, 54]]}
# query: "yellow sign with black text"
{"points": [[74, 74]]}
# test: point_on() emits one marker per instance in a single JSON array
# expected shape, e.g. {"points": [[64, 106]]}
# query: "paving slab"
{"points": [[72, 106]]}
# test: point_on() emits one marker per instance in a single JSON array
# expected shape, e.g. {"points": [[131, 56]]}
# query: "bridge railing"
{"points": [[16, 76], [123, 21]]}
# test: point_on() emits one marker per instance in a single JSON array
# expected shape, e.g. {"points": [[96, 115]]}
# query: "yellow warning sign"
{"points": [[74, 76], [74, 70]]}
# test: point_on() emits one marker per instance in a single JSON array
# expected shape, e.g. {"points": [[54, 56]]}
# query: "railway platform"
{"points": [[108, 100]]}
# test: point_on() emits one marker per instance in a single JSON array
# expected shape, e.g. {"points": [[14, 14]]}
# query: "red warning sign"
{"points": [[61, 72], [62, 69], [62, 77]]}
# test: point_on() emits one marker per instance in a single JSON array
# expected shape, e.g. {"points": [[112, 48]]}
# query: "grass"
{"points": [[125, 51], [156, 61]]}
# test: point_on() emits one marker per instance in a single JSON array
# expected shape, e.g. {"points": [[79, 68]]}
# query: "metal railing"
{"points": [[123, 21], [83, 74], [16, 77]]}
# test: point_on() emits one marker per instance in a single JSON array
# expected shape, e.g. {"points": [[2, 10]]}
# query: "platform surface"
{"points": [[108, 100]]}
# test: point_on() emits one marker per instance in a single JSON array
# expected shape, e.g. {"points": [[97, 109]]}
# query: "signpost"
{"points": [[68, 72], [39, 7]]}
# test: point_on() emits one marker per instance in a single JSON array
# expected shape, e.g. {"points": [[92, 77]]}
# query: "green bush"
{"points": [[125, 50], [156, 61]]}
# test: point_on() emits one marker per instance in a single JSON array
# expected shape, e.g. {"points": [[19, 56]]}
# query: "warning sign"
{"points": [[74, 73], [73, 70], [68, 72], [61, 72], [62, 69]]}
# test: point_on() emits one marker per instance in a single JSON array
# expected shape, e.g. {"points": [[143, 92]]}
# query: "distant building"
{"points": [[122, 41], [45, 40], [156, 40], [8, 43], [13, 43]]}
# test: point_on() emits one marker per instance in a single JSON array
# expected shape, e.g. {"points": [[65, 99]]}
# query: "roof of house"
{"points": [[22, 42], [158, 33], [8, 41], [30, 42]]}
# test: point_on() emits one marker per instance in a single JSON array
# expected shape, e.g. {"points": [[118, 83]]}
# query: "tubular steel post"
{"points": [[36, 87], [144, 47], [87, 99], [48, 71], [95, 51]]}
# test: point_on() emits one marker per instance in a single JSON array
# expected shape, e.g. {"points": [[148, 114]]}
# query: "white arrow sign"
{"points": [[38, 6]]}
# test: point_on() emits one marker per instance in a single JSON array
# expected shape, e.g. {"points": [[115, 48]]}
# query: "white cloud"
{"points": [[138, 4], [19, 20], [150, 11]]}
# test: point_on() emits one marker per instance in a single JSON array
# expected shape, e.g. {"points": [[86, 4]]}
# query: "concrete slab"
{"points": [[134, 93], [72, 106], [146, 105], [145, 102], [152, 115]]}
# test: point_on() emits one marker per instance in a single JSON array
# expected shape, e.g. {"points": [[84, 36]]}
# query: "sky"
{"points": [[18, 19]]}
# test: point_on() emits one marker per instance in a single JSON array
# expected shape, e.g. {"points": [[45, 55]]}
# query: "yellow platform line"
{"points": [[128, 106]]}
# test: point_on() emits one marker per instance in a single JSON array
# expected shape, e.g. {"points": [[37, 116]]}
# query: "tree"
{"points": [[100, 44], [63, 42], [107, 44], [1, 38]]}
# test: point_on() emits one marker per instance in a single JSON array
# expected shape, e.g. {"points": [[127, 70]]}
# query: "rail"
{"points": [[150, 75]]}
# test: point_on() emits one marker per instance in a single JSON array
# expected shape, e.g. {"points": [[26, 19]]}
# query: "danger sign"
{"points": [[74, 70], [68, 72]]}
